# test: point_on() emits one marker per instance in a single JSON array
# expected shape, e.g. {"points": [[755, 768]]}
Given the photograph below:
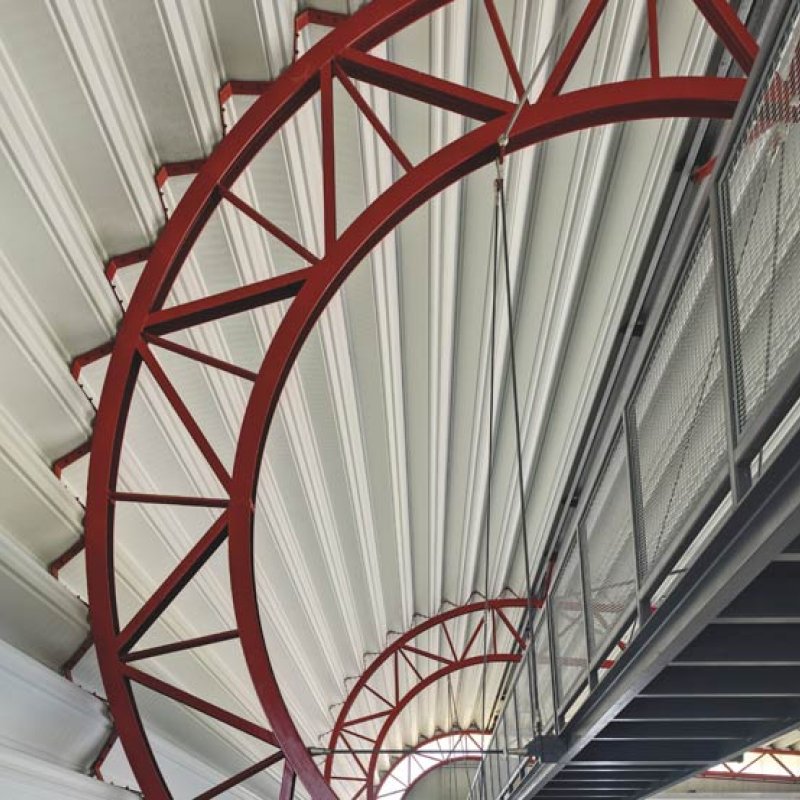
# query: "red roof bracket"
{"points": [[241, 88], [76, 454], [174, 169], [316, 16], [89, 357], [116, 263]]}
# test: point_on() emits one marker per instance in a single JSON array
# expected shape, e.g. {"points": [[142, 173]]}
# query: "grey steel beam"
{"points": [[756, 681], [794, 547], [590, 790], [615, 795], [677, 731], [598, 785], [767, 734], [617, 780], [641, 559], [613, 753], [745, 645], [604, 794], [613, 769], [772, 597], [611, 791], [712, 708]]}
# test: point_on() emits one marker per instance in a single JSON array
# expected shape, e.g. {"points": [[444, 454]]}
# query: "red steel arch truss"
{"points": [[342, 56], [403, 670], [762, 765], [447, 748]]}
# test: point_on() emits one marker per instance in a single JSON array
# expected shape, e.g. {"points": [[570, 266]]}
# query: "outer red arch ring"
{"points": [[375, 22], [622, 102], [641, 99]]}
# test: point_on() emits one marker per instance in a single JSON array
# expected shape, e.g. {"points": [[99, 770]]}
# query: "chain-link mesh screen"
{"points": [[510, 718], [761, 214], [610, 555], [491, 775], [569, 625], [544, 678], [503, 768], [678, 409], [524, 703]]}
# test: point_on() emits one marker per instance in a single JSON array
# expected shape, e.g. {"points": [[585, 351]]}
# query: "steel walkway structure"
{"points": [[681, 559]]}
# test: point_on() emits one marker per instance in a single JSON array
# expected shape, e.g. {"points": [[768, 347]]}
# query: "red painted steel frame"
{"points": [[446, 760], [496, 609], [345, 47], [751, 771]]}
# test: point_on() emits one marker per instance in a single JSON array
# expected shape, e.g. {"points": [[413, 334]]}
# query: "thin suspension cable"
{"points": [[494, 250], [503, 141], [514, 388]]}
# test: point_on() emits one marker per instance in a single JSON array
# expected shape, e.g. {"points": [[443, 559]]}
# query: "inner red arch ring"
{"points": [[560, 114], [622, 102]]}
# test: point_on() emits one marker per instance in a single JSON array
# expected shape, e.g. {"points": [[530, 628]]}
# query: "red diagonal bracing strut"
{"points": [[430, 669], [343, 51]]}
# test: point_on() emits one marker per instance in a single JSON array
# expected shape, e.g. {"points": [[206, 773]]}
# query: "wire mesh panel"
{"points": [[761, 215], [491, 773], [503, 769], [510, 718], [524, 701], [678, 413], [569, 625], [611, 559], [545, 711]]}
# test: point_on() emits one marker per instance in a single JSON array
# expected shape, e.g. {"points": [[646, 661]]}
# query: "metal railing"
{"points": [[717, 388]]}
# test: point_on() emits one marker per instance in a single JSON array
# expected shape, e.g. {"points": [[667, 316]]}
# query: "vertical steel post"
{"points": [[586, 603], [733, 390], [555, 678], [533, 683], [630, 432]]}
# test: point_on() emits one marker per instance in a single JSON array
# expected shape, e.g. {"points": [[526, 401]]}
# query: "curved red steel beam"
{"points": [[446, 759], [345, 46], [493, 616], [397, 645]]}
